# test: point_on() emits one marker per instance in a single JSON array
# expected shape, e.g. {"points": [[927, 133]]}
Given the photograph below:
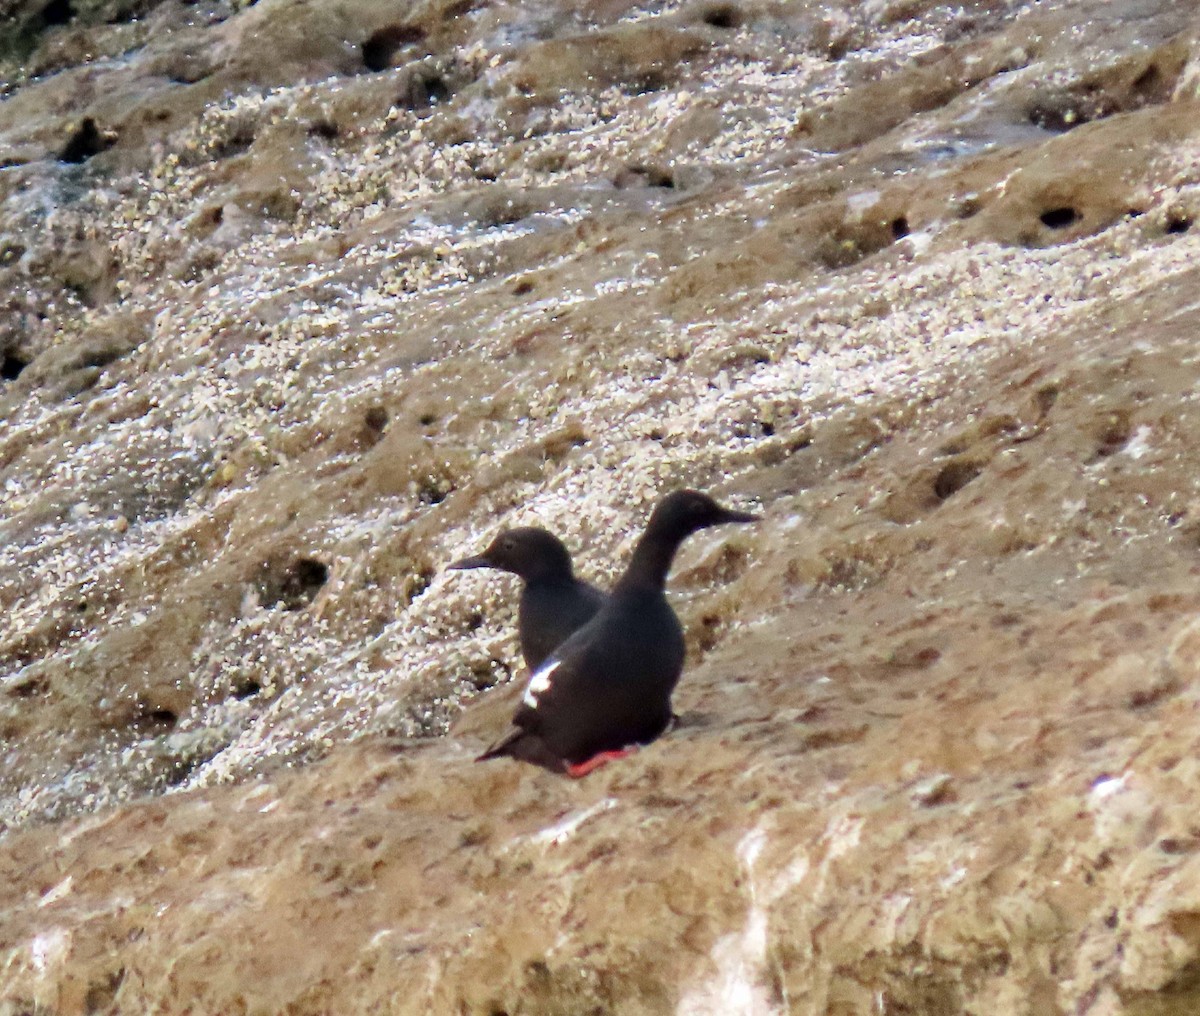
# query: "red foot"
{"points": [[596, 761]]}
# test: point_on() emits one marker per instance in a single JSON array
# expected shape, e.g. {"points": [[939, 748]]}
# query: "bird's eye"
{"points": [[508, 545]]}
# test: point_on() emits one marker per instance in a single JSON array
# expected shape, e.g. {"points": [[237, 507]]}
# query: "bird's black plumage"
{"points": [[609, 685], [554, 603]]}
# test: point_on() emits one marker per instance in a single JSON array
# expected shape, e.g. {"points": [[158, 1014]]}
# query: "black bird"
{"points": [[608, 687], [554, 603]]}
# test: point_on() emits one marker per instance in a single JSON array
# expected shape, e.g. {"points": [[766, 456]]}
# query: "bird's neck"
{"points": [[550, 579], [651, 562]]}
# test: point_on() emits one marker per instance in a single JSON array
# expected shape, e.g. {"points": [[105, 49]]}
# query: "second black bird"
{"points": [[554, 603]]}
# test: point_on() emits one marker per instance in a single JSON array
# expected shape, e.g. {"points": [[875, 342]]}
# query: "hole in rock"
{"points": [[722, 16], [57, 12], [159, 718], [302, 581], [381, 46], [424, 91], [644, 176], [100, 993], [376, 419], [11, 366], [953, 477], [433, 491], [651, 81], [1113, 434], [522, 287], [29, 688], [247, 689], [900, 228], [237, 142], [1148, 80], [296, 586], [83, 144], [967, 208], [1178, 224], [1058, 116], [1059, 218], [324, 129]]}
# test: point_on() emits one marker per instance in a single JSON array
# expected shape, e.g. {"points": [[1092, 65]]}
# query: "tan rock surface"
{"points": [[326, 293]]}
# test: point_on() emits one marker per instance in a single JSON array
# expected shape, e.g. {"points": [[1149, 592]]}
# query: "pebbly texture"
{"points": [[303, 301]]}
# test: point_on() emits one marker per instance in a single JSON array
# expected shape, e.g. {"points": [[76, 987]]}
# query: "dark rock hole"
{"points": [[101, 992], [660, 178], [381, 46], [29, 688], [1045, 397], [325, 130], [237, 142], [1178, 224], [768, 429], [1113, 435], [159, 718], [57, 12], [432, 491], [301, 582], [1059, 218], [83, 144], [376, 419], [900, 228], [427, 419], [953, 477], [247, 689], [1058, 116], [1148, 80], [423, 91], [967, 208], [522, 287], [11, 366], [418, 583], [654, 80], [722, 16]]}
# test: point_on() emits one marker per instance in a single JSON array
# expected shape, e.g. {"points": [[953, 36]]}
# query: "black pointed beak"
{"points": [[469, 562], [728, 515]]}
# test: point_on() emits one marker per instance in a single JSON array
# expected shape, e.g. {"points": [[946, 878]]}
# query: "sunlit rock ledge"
{"points": [[304, 300]]}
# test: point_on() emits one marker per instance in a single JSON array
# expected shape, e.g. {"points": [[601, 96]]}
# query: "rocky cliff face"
{"points": [[303, 300]]}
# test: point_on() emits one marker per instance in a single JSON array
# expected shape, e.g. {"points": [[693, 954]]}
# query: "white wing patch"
{"points": [[539, 682]]}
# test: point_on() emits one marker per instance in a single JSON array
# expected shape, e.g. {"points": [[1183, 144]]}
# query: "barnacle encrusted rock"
{"points": [[301, 301]]}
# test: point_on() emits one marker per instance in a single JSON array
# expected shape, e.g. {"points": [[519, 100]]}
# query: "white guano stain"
{"points": [[48, 949], [740, 984], [562, 831], [56, 893], [1138, 445]]}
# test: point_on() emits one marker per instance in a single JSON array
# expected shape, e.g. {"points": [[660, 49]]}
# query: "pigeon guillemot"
{"points": [[554, 603], [608, 687]]}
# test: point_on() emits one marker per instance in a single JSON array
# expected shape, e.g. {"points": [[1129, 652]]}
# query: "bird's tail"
{"points": [[525, 746], [505, 746]]}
